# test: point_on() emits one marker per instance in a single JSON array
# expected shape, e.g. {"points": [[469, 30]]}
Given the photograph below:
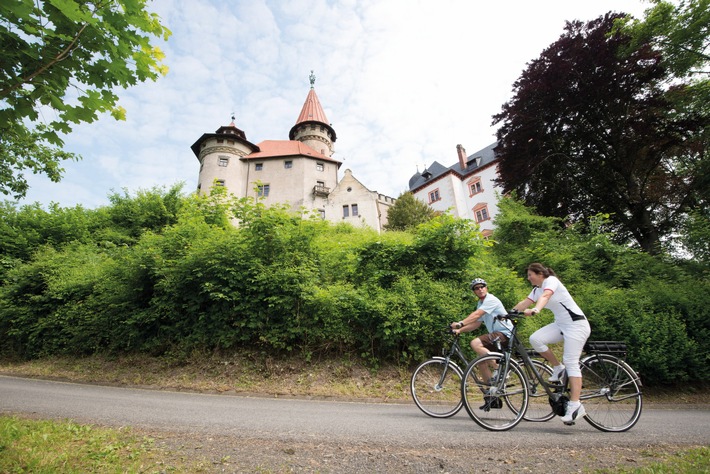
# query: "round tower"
{"points": [[220, 156], [312, 126]]}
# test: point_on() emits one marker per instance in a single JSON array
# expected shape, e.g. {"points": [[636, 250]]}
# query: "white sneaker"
{"points": [[494, 377], [557, 373], [572, 413]]}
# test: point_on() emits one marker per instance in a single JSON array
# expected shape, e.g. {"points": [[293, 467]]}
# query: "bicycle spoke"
{"points": [[611, 393], [436, 388], [539, 408], [499, 404]]}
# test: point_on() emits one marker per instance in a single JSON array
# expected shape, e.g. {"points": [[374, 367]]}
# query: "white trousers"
{"points": [[574, 335]]}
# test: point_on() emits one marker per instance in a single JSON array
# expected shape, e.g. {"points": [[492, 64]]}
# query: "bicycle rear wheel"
{"points": [[436, 388], [611, 393], [497, 404], [539, 408]]}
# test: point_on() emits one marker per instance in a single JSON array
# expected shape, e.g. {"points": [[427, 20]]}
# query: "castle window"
{"points": [[223, 160], [475, 187], [263, 190], [346, 211], [258, 166], [434, 196], [354, 209], [288, 164], [320, 167], [481, 212], [219, 182], [321, 212]]}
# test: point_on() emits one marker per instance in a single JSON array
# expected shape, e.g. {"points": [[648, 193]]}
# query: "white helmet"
{"points": [[478, 281]]}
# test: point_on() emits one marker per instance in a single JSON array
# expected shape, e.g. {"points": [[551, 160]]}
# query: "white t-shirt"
{"points": [[561, 303]]}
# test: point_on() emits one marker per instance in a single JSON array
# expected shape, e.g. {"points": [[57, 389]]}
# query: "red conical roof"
{"points": [[312, 110]]}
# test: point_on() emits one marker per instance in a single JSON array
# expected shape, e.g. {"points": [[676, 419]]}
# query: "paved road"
{"points": [[323, 421]]}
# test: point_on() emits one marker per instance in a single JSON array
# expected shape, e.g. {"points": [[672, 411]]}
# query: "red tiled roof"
{"points": [[312, 110], [276, 148]]}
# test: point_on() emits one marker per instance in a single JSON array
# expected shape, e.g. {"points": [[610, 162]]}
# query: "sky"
{"points": [[402, 82]]}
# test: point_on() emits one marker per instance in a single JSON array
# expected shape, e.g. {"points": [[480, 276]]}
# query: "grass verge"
{"points": [[40, 446]]}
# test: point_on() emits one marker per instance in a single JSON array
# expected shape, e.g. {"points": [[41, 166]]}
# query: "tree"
{"points": [[591, 130], [681, 31], [64, 59], [408, 212]]}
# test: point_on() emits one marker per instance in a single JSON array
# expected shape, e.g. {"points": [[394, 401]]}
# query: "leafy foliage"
{"points": [[408, 212], [178, 278], [591, 130], [68, 57]]}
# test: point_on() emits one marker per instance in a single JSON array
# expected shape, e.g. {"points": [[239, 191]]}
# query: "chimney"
{"points": [[462, 156]]}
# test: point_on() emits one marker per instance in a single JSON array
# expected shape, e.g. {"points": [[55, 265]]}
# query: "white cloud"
{"points": [[402, 81]]}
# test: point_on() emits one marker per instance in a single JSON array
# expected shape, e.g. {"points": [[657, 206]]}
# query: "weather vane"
{"points": [[312, 77]]}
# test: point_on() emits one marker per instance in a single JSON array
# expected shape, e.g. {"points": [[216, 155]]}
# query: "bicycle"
{"points": [[436, 383], [611, 388]]}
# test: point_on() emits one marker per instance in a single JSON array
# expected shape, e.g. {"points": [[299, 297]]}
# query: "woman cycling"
{"points": [[570, 326]]}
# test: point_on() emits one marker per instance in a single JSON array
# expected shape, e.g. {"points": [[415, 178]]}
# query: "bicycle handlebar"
{"points": [[513, 315]]}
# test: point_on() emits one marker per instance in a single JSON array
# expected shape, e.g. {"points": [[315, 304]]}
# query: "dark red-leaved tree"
{"points": [[591, 131]]}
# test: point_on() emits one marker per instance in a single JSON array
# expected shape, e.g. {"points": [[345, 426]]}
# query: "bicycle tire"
{"points": [[610, 392], [511, 395], [539, 409], [438, 400]]}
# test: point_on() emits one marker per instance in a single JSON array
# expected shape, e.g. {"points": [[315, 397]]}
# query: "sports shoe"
{"points": [[491, 402], [494, 377], [557, 373], [573, 412]]}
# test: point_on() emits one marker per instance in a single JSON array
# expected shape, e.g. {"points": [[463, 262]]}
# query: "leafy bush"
{"points": [[187, 280]]}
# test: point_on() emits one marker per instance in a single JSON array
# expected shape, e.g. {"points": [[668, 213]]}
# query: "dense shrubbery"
{"points": [[162, 273]]}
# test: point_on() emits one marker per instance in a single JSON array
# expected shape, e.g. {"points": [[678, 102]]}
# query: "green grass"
{"points": [[40, 446], [687, 460]]}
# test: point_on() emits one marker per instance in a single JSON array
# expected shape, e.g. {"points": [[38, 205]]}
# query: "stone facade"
{"points": [[299, 172], [466, 189]]}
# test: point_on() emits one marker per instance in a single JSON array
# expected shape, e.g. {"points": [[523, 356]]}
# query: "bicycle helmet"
{"points": [[478, 281]]}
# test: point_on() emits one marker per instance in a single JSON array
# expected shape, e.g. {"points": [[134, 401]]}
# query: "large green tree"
{"points": [[408, 212], [60, 64], [595, 128]]}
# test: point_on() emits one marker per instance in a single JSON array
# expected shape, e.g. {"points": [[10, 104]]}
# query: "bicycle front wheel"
{"points": [[610, 392], [497, 403], [436, 388]]}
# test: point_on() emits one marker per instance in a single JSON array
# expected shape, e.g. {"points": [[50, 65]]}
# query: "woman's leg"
{"points": [[539, 340]]}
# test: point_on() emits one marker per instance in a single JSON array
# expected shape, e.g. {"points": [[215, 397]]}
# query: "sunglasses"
{"points": [[476, 288]]}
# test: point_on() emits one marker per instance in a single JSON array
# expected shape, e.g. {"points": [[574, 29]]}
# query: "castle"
{"points": [[466, 189], [300, 171]]}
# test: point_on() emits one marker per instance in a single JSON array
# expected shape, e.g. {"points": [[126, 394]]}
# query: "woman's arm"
{"points": [[523, 304], [541, 302]]}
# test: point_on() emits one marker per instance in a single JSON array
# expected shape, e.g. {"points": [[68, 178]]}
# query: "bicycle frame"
{"points": [[454, 350], [516, 347]]}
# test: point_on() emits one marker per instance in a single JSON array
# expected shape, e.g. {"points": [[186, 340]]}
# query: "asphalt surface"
{"points": [[392, 424]]}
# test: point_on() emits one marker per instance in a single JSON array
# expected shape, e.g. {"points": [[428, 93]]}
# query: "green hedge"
{"points": [[189, 280]]}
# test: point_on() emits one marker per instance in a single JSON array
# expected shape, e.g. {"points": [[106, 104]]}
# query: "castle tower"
{"points": [[312, 127], [220, 155]]}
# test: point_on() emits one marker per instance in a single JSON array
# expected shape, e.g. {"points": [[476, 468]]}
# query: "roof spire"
{"points": [[312, 78]]}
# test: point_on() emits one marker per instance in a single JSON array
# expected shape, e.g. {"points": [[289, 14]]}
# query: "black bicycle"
{"points": [[436, 383], [611, 390]]}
